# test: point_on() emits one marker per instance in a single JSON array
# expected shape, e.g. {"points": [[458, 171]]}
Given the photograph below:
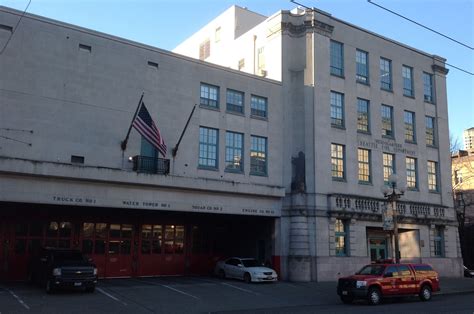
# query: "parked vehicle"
{"points": [[468, 272], [377, 281], [60, 268], [247, 269]]}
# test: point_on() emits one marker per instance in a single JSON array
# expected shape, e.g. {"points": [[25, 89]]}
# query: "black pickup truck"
{"points": [[62, 268]]}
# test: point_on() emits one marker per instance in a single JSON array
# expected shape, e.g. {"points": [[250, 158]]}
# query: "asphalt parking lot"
{"points": [[164, 295]]}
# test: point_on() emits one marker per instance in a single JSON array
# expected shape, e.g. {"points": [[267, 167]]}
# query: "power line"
{"points": [[14, 30], [419, 24], [457, 68]]}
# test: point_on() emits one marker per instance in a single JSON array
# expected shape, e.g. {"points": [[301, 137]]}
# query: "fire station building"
{"points": [[276, 150]]}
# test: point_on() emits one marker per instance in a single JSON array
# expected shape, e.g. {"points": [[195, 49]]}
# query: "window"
{"points": [[233, 152], [388, 166], [337, 161], [430, 131], [258, 106], [174, 239], [337, 58], [363, 115], [235, 101], [407, 74], [205, 49], [428, 87], [387, 121], [340, 230], [457, 176], [432, 176], [241, 64], [438, 238], [258, 155], [337, 109], [412, 173], [409, 118], [208, 139], [362, 66], [217, 34], [363, 157], [261, 58], [209, 95], [385, 74]]}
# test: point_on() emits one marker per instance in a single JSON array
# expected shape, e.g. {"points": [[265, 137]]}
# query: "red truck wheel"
{"points": [[425, 293], [374, 296]]}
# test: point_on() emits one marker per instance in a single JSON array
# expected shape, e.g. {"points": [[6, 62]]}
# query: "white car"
{"points": [[247, 269]]}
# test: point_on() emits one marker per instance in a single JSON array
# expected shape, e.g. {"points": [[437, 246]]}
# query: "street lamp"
{"points": [[392, 193]]}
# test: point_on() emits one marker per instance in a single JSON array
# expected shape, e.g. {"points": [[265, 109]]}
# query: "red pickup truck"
{"points": [[376, 281]]}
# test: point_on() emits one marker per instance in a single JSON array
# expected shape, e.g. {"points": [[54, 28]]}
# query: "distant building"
{"points": [[300, 120], [469, 139]]}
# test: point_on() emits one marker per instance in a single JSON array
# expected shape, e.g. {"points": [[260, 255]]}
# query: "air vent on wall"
{"points": [[153, 64], [77, 159], [85, 47], [6, 28]]}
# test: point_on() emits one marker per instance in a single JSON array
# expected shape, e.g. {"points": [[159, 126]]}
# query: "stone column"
{"points": [[299, 259]]}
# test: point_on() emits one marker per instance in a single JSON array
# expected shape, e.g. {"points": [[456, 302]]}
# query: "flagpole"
{"points": [[124, 142], [175, 149]]}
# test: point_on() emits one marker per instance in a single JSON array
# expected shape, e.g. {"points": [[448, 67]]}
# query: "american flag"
{"points": [[145, 125]]}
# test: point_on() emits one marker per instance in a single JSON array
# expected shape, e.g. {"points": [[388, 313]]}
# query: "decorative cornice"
{"points": [[308, 26], [439, 69]]}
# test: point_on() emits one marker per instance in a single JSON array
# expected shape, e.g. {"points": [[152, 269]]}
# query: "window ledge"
{"points": [[234, 171], [386, 90], [389, 137], [237, 113], [409, 96], [434, 192], [365, 183], [339, 179], [209, 107], [430, 102], [341, 127], [364, 132], [339, 76], [208, 168], [259, 174], [259, 118], [432, 146], [363, 83], [411, 142], [413, 189]]}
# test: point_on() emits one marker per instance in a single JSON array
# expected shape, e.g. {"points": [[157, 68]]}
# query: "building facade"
{"points": [[358, 107], [293, 136], [468, 135]]}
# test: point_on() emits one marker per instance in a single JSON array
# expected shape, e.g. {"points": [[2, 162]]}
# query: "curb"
{"points": [[454, 292]]}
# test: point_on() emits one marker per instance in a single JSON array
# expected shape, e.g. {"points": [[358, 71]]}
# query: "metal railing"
{"points": [[151, 165]]}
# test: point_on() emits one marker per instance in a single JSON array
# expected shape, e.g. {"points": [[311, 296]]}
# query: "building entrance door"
{"points": [[378, 249]]}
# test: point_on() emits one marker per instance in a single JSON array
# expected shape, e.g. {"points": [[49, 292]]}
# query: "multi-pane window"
{"points": [[385, 74], [337, 109], [388, 166], [409, 119], [412, 173], [438, 238], [340, 232], [362, 66], [337, 161], [387, 121], [209, 95], [432, 176], [208, 139], [258, 106], [363, 157], [233, 151], [363, 115], [430, 131], [235, 101], [205, 49], [337, 58], [261, 58], [428, 87], [407, 74], [258, 155]]}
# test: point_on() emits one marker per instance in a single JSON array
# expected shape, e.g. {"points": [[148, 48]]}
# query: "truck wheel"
{"points": [[425, 293], [374, 296], [346, 299], [49, 287], [90, 289]]}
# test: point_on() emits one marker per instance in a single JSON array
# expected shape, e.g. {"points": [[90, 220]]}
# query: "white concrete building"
{"points": [[283, 160], [468, 135], [359, 107]]}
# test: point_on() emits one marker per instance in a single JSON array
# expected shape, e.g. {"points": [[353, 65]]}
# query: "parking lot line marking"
{"points": [[18, 299], [179, 291], [110, 296], [242, 289]]}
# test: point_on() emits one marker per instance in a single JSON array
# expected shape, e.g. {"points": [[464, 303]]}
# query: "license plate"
{"points": [[269, 277], [77, 284], [344, 292]]}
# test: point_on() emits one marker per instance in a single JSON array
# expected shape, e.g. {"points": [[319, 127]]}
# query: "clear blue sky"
{"points": [[165, 23]]}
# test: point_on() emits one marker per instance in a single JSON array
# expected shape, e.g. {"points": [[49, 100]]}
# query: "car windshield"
{"points": [[250, 263], [63, 256], [371, 270]]}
